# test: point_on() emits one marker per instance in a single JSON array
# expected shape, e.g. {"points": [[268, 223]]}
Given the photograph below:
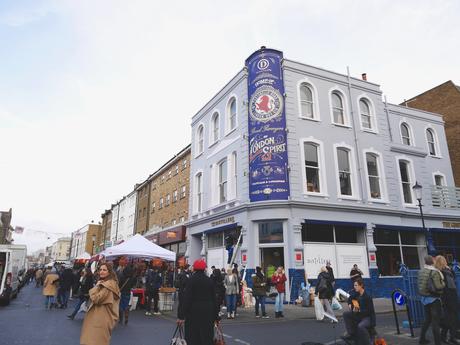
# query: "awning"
{"points": [[218, 229], [398, 228]]}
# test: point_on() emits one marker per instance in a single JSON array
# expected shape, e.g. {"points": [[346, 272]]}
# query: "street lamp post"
{"points": [[417, 188]]}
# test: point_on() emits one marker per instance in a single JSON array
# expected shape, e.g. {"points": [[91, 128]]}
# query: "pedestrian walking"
{"points": [[279, 281], [331, 273], [219, 287], [86, 283], [102, 314], [152, 286], [38, 277], [66, 280], [361, 316], [430, 287], [355, 273], [180, 284], [231, 292], [199, 310], [259, 291], [325, 291], [50, 288], [126, 282], [449, 301]]}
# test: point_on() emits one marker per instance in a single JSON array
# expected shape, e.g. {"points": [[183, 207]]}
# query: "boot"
{"points": [[126, 316]]}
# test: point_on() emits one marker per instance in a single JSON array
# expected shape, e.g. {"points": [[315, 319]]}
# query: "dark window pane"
{"points": [[271, 232], [317, 233], [346, 234], [408, 237], [411, 259], [216, 240], [388, 260], [382, 236]]}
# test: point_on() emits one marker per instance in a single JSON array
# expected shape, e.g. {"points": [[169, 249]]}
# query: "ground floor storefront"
{"points": [[302, 240]]}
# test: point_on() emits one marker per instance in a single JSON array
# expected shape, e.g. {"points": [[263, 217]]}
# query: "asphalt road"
{"points": [[25, 321]]}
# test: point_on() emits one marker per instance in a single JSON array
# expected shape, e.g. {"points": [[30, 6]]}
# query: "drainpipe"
{"points": [[388, 119], [118, 220], [358, 153], [148, 208]]}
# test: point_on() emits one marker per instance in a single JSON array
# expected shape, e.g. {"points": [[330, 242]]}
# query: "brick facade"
{"points": [[445, 100], [142, 208], [106, 226], [96, 230]]}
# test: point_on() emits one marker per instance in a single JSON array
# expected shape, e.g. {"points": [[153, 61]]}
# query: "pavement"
{"points": [[26, 322]]}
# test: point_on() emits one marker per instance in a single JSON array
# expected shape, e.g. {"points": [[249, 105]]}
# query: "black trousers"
{"points": [[433, 318], [153, 294], [359, 328]]}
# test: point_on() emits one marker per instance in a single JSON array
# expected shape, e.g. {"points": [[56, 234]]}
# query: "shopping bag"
{"points": [[83, 307], [133, 303], [341, 295], [335, 304], [178, 336], [218, 335], [319, 309], [272, 293]]}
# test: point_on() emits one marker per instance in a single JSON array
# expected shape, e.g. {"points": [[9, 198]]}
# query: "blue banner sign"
{"points": [[268, 158]]}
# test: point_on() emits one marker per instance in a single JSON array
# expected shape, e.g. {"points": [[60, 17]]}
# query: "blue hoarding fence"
{"points": [[398, 297], [414, 303], [456, 269]]}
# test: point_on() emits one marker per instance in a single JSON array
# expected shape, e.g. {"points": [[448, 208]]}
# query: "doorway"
{"points": [[271, 259]]}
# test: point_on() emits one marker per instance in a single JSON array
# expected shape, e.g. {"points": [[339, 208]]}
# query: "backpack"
{"points": [[431, 287]]}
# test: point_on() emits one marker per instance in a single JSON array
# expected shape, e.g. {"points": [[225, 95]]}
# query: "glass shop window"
{"points": [[271, 232]]}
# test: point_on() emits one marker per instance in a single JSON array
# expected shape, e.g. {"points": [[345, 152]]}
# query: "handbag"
{"points": [[319, 309], [178, 336], [272, 293], [218, 335], [335, 304]]}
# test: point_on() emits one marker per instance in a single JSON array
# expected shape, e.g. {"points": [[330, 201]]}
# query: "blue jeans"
{"points": [[81, 300], [231, 303], [279, 302], [260, 300], [63, 297], [49, 300]]}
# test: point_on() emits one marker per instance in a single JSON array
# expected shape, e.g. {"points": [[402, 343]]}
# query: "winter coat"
{"points": [[259, 285], [324, 288], [50, 286], [279, 281], [199, 310], [449, 296], [102, 314], [86, 284], [38, 274], [180, 284], [66, 279], [153, 280], [423, 277], [232, 286]]}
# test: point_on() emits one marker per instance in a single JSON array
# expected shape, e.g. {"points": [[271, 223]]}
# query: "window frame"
{"points": [[381, 171], [435, 143], [438, 173], [351, 162], [199, 140], [372, 114], [198, 194], [321, 166], [411, 175], [341, 95], [212, 133], [409, 130], [222, 185], [314, 103], [228, 114]]}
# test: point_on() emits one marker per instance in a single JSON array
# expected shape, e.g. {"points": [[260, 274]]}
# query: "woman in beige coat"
{"points": [[50, 287], [102, 314]]}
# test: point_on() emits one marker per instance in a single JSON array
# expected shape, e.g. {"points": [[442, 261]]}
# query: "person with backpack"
{"points": [[152, 286], [324, 290], [430, 287]]}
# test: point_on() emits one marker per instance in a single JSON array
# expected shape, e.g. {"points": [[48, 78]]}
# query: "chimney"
{"points": [[364, 76]]}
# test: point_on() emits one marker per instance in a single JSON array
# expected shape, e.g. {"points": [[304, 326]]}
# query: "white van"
{"points": [[12, 261]]}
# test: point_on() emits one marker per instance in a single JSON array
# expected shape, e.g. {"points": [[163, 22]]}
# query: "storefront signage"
{"points": [[223, 221], [268, 158], [451, 224], [171, 236]]}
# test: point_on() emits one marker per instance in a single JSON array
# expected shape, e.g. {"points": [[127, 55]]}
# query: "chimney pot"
{"points": [[364, 76]]}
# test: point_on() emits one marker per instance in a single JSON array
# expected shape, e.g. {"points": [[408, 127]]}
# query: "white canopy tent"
{"points": [[138, 246], [83, 256]]}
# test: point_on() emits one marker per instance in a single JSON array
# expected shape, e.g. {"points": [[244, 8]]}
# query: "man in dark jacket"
{"points": [[199, 310], [259, 291], [430, 287], [66, 280], [361, 318], [152, 286]]}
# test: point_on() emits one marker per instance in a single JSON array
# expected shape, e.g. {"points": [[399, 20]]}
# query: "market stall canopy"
{"points": [[138, 246], [83, 256]]}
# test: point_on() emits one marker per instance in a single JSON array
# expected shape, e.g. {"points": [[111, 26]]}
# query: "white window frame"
{"points": [[184, 164], [175, 195], [235, 174], [321, 165], [412, 181], [161, 204], [198, 192], [381, 170], [346, 113], [183, 191], [436, 142], [212, 139], [168, 199], [352, 162], [224, 184], [228, 129], [199, 146], [411, 134], [373, 117], [315, 106], [438, 173]]}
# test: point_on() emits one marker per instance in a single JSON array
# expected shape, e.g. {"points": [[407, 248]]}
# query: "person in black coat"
{"points": [[324, 290], [180, 284], [86, 284], [219, 286], [199, 308], [66, 280], [152, 287]]}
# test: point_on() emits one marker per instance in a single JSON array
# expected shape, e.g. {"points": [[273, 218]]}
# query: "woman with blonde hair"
{"points": [[232, 290], [102, 313], [324, 290], [449, 301]]}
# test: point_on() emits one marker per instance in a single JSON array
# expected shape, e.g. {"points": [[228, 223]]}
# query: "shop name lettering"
{"points": [[223, 221], [268, 145], [316, 261], [267, 128]]}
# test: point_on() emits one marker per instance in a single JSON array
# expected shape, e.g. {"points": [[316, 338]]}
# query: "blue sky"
{"points": [[89, 89]]}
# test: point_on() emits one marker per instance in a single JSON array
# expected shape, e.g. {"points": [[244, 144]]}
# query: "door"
{"points": [[271, 259]]}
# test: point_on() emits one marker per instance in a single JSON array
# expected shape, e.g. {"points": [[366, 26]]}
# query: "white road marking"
{"points": [[242, 342]]}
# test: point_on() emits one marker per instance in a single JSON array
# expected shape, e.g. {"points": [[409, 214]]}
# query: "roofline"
{"points": [[433, 88], [415, 109]]}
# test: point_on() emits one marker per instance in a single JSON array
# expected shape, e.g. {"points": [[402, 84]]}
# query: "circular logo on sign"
{"points": [[263, 64], [266, 104]]}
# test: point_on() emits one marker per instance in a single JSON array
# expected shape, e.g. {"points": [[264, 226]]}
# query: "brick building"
{"points": [[106, 228], [86, 239], [444, 99], [142, 207]]}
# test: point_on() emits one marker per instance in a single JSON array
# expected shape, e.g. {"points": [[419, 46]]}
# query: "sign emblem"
{"points": [[263, 64], [266, 104]]}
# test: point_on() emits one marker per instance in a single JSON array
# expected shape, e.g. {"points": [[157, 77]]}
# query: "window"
{"points": [[181, 219], [232, 114], [176, 169], [153, 207], [199, 192], [312, 167], [398, 247], [163, 179], [168, 199], [405, 134], [406, 182], [175, 196], [200, 139], [184, 164], [215, 240], [330, 233], [431, 141], [306, 101], [235, 175], [144, 211], [173, 222], [183, 191], [169, 174], [271, 232], [161, 203], [338, 111], [215, 128], [439, 180], [343, 161], [223, 181], [373, 176], [365, 112]]}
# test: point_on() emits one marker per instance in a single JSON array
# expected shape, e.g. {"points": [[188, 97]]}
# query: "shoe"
{"points": [[228, 316], [277, 314], [257, 316], [157, 313], [265, 317], [233, 315], [423, 341], [281, 314], [147, 313], [70, 317]]}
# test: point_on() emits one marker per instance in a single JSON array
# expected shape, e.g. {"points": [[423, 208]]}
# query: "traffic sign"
{"points": [[399, 298]]}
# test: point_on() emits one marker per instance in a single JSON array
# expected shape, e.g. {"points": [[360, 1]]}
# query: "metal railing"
{"points": [[445, 197]]}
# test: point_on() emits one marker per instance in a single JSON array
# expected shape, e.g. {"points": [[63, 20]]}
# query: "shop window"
{"points": [[408, 237], [215, 240], [317, 233], [411, 257], [383, 236], [346, 234], [388, 260], [271, 232]]}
